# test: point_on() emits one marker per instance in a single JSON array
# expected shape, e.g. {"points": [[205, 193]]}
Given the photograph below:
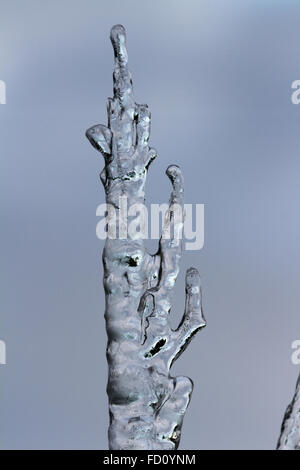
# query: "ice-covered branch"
{"points": [[290, 430], [146, 404]]}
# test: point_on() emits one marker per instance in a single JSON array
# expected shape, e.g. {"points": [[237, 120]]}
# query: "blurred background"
{"points": [[217, 77]]}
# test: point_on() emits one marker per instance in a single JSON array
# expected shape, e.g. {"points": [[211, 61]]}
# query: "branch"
{"points": [[290, 430], [146, 404]]}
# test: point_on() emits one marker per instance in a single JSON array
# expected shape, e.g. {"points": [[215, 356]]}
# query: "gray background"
{"points": [[217, 76]]}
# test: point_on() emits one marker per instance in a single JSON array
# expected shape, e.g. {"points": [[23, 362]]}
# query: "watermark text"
{"points": [[2, 92], [175, 222], [296, 354], [2, 352]]}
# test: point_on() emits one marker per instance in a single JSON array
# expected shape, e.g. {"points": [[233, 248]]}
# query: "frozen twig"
{"points": [[146, 404], [290, 430]]}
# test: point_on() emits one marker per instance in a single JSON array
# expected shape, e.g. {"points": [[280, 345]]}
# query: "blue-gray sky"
{"points": [[217, 77]]}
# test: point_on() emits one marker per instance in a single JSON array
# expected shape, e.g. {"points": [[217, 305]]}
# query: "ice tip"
{"points": [[193, 277], [117, 33], [174, 174], [173, 171]]}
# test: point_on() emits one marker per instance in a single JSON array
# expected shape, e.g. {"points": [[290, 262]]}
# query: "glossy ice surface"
{"points": [[146, 404]]}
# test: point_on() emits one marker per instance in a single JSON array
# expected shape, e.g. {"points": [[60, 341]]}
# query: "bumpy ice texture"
{"points": [[146, 404], [290, 430]]}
